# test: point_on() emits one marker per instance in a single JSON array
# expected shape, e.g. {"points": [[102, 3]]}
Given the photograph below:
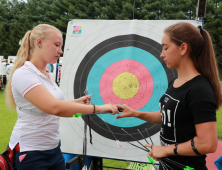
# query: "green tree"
{"points": [[182, 9], [36, 11], [17, 17], [4, 26], [13, 39], [213, 23], [61, 12], [4, 14], [3, 37]]}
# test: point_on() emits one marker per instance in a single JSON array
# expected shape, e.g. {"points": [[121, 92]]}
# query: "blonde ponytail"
{"points": [[22, 56], [25, 52]]}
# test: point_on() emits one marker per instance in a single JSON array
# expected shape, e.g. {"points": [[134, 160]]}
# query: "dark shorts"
{"points": [[40, 160], [4, 80]]}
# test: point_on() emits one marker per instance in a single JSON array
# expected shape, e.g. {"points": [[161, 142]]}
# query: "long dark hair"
{"points": [[201, 51]]}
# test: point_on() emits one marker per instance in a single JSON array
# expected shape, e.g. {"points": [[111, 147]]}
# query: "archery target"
{"points": [[118, 62], [59, 70], [136, 56], [52, 68], [49, 67]]}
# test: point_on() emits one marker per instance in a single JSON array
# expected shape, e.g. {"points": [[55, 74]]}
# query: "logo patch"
{"points": [[77, 30]]}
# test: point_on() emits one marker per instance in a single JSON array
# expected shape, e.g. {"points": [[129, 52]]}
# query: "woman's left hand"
{"points": [[157, 152], [83, 100]]}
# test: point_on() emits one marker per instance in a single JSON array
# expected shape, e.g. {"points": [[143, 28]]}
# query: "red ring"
{"points": [[140, 71]]}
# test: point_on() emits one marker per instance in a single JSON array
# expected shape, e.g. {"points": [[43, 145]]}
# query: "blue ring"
{"points": [[148, 60], [50, 67]]}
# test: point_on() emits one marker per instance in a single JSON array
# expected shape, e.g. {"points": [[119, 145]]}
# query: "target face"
{"points": [[52, 69], [118, 62], [49, 67], [129, 72]]}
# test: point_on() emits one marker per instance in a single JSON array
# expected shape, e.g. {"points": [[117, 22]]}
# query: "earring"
{"points": [[181, 55]]}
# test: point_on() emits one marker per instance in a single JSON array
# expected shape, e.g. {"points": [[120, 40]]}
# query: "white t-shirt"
{"points": [[8, 70], [34, 129], [3, 68]]}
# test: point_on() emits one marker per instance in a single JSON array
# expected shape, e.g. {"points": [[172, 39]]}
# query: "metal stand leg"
{"points": [[96, 164]]}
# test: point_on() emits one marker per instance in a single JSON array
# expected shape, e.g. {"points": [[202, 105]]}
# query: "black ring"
{"points": [[88, 61]]}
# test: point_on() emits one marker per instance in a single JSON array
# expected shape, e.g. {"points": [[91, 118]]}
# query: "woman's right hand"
{"points": [[127, 111], [106, 108]]}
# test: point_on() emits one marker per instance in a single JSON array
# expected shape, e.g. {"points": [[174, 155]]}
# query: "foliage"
{"points": [[213, 23], [17, 16]]}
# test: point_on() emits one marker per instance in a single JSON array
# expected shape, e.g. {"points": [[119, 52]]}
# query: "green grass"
{"points": [[219, 123], [115, 163], [7, 122]]}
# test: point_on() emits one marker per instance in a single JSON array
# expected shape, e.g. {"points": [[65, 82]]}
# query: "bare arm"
{"points": [[205, 142], [49, 104], [153, 117]]}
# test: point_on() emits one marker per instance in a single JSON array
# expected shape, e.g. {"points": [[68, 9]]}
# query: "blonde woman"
{"points": [[39, 102], [188, 107]]}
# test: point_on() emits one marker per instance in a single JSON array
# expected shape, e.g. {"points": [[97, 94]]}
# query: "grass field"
{"points": [[219, 123], [8, 119], [7, 122]]}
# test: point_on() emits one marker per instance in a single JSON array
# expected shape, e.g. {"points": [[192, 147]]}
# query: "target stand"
{"points": [[118, 62], [96, 163]]}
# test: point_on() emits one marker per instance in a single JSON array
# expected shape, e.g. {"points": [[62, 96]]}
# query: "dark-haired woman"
{"points": [[188, 108]]}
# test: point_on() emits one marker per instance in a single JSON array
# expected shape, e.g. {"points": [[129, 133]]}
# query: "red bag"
{"points": [[4, 165], [7, 158]]}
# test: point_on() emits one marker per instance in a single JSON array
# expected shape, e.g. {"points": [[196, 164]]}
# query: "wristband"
{"points": [[194, 149], [175, 150], [94, 108]]}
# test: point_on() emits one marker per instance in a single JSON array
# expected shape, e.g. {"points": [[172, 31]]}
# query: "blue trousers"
{"points": [[40, 160]]}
